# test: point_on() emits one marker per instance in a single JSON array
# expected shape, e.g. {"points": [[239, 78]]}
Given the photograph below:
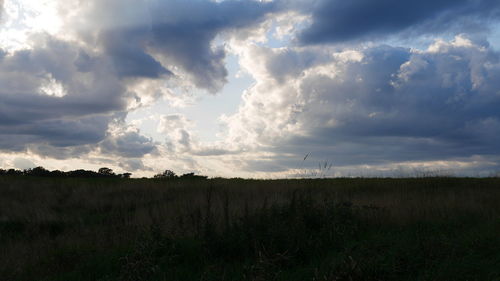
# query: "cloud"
{"points": [[23, 163], [133, 164], [63, 93], [176, 127], [190, 27], [60, 153], [340, 21], [67, 94], [56, 94], [127, 142], [370, 106], [165, 37], [129, 57], [214, 150]]}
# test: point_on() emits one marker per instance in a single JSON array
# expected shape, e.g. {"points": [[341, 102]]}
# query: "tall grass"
{"points": [[234, 229]]}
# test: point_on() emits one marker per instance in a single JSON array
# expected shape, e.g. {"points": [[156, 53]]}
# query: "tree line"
{"points": [[101, 173]]}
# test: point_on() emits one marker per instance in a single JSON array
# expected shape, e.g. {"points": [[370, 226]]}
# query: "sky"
{"points": [[244, 88]]}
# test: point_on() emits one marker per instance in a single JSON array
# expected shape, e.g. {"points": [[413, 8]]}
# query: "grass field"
{"points": [[232, 229]]}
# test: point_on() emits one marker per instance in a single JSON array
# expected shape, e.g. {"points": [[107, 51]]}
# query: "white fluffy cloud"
{"points": [[63, 91], [372, 105], [176, 128]]}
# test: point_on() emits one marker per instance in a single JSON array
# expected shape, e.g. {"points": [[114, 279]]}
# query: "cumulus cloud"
{"points": [[56, 94], [127, 144], [62, 93], [128, 55], [67, 94], [164, 37], [133, 164], [176, 127], [370, 106], [340, 21]]}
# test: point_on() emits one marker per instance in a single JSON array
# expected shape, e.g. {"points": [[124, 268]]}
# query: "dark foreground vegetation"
{"points": [[230, 229]]}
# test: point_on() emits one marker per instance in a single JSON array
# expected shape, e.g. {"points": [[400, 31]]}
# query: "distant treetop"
{"points": [[169, 174]]}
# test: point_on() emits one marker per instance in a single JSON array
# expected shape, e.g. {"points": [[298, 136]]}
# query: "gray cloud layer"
{"points": [[340, 21], [128, 144], [33, 111], [60, 97], [381, 105], [377, 105], [148, 36]]}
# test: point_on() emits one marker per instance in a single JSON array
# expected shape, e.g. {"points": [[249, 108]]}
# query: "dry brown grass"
{"points": [[51, 223]]}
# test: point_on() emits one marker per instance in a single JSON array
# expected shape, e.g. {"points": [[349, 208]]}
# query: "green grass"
{"points": [[232, 229]]}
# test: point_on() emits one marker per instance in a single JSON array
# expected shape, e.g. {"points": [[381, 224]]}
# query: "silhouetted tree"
{"points": [[106, 172], [125, 175], [14, 172], [167, 174], [58, 174], [83, 174], [192, 176], [37, 172]]}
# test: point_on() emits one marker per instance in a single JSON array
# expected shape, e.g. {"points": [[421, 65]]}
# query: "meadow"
{"points": [[430, 228]]}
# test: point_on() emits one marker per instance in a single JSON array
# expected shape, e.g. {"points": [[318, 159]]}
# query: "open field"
{"points": [[232, 229]]}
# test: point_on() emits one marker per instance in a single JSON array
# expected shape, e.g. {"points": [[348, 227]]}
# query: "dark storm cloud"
{"points": [[59, 132], [183, 31], [56, 95], [339, 21], [129, 57], [25, 73], [175, 33]]}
